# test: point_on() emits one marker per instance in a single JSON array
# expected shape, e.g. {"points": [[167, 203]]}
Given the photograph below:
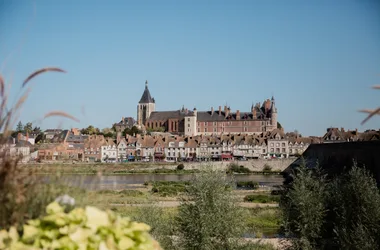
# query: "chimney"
{"points": [[212, 110], [254, 114], [220, 110], [186, 111], [237, 114], [342, 129], [225, 111]]}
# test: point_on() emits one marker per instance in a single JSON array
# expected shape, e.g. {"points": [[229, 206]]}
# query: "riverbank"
{"points": [[259, 166]]}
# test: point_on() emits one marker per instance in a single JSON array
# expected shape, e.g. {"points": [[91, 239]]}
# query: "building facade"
{"points": [[260, 118]]}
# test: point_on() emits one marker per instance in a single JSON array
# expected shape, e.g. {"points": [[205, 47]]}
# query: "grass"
{"points": [[261, 220], [168, 188], [262, 198]]}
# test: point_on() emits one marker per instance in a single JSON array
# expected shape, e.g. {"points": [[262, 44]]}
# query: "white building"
{"points": [[122, 153], [108, 151]]}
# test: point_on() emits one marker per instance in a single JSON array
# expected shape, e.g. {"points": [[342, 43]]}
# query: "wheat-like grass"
{"points": [[370, 113], [40, 71], [62, 114], [18, 189], [2, 86]]}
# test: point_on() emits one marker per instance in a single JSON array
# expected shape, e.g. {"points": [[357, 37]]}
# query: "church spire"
{"points": [[146, 97]]}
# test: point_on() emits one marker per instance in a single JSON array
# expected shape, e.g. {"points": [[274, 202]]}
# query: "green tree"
{"points": [[28, 128], [131, 131], [279, 125], [355, 214], [303, 207], [342, 213], [209, 217], [19, 127], [37, 130], [90, 130]]}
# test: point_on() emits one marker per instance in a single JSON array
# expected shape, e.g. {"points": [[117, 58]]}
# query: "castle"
{"points": [[261, 118]]}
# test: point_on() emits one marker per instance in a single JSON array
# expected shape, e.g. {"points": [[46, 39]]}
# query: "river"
{"points": [[117, 182]]}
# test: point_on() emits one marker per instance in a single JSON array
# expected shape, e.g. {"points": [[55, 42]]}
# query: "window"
{"points": [[277, 144], [214, 129], [271, 144], [205, 123], [199, 130], [263, 150], [245, 129], [214, 123], [188, 125], [205, 129], [290, 151], [188, 119], [283, 150], [283, 144], [277, 150], [245, 123], [272, 149]]}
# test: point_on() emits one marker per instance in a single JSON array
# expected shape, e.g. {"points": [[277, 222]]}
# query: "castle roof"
{"points": [[146, 97]]}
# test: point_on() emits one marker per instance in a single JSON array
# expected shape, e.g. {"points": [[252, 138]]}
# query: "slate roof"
{"points": [[165, 115], [146, 97]]}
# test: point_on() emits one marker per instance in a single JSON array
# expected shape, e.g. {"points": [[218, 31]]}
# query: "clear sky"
{"points": [[318, 58]]}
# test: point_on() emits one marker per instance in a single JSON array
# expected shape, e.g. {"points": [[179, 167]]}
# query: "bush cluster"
{"points": [[181, 167], [235, 168], [260, 198], [168, 188], [247, 184], [342, 212]]}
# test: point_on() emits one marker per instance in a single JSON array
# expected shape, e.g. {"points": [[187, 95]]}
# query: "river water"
{"points": [[117, 182]]}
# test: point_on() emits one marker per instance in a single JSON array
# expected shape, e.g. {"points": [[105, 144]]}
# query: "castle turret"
{"points": [[273, 113], [146, 106], [191, 123]]}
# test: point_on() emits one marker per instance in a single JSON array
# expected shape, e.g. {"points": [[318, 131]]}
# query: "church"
{"points": [[260, 118]]}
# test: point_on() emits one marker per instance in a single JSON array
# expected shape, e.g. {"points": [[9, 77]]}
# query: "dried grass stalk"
{"points": [[2, 86], [371, 113], [37, 72], [62, 114]]}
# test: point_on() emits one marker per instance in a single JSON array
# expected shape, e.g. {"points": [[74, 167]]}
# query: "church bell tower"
{"points": [[146, 106]]}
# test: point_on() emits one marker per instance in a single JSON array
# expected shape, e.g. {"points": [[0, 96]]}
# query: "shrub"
{"points": [[88, 228], [234, 168], [168, 188], [209, 217], [267, 168], [247, 184], [259, 198], [304, 209], [180, 167], [343, 213]]}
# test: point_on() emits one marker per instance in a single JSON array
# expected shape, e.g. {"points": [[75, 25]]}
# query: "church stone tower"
{"points": [[146, 106]]}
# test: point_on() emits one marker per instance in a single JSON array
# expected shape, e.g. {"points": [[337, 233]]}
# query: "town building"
{"points": [[260, 118], [126, 122]]}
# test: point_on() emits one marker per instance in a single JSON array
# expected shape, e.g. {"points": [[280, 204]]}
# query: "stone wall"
{"points": [[254, 165]]}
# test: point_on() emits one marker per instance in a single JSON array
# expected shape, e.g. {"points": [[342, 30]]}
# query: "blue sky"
{"points": [[318, 58]]}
